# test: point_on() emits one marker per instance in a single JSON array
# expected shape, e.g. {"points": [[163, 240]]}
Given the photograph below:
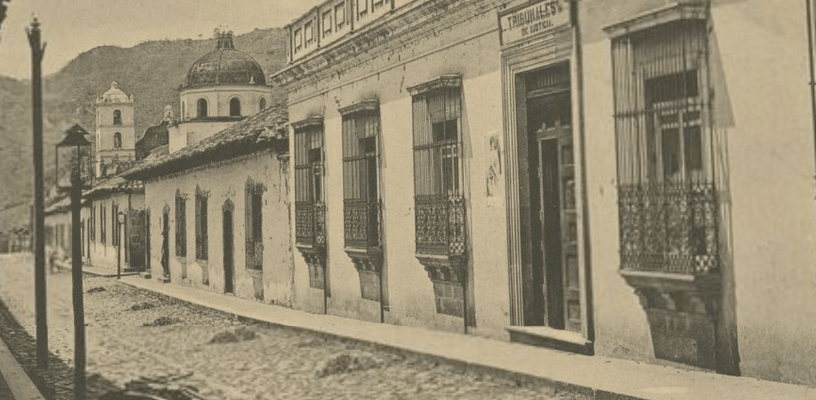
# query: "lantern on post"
{"points": [[76, 148]]}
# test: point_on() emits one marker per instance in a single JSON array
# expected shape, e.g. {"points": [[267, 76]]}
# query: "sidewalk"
{"points": [[596, 377], [105, 272], [14, 383]]}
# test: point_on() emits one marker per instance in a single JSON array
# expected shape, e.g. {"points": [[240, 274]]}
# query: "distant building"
{"points": [[217, 200], [612, 178], [109, 242], [115, 132], [222, 87]]}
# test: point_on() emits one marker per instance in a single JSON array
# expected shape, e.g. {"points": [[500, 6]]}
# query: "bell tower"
{"points": [[115, 139]]}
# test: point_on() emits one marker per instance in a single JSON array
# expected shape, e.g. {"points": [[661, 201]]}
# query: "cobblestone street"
{"points": [[132, 335]]}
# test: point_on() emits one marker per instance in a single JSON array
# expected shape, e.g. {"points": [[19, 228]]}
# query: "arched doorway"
{"points": [[229, 246]]}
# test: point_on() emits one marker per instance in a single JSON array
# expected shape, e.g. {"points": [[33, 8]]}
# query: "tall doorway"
{"points": [[229, 246], [165, 249], [553, 294]]}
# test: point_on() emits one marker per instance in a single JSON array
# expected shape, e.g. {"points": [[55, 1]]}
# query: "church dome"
{"points": [[225, 66]]}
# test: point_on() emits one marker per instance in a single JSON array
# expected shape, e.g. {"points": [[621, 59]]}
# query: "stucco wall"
{"points": [[104, 255], [759, 64], [771, 168], [190, 132], [470, 49], [226, 182], [218, 100]]}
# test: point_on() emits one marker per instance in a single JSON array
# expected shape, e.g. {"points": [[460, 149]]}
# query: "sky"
{"points": [[71, 27]]}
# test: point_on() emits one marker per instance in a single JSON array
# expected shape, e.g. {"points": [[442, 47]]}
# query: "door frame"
{"points": [[517, 60]]}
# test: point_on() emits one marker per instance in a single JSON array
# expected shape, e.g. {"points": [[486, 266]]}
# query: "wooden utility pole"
{"points": [[40, 293]]}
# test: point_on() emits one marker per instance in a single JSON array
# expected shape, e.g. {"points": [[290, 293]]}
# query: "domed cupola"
{"points": [[225, 66], [222, 87]]}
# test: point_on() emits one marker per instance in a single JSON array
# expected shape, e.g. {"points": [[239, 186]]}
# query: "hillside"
{"points": [[152, 71]]}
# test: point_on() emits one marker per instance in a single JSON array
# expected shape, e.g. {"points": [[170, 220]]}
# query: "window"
{"points": [[309, 183], [117, 117], [298, 40], [377, 4], [201, 108], [362, 8], [254, 225], [183, 110], [327, 23], [262, 104], [308, 34], [437, 144], [102, 223], [339, 16], [181, 225], [201, 224], [667, 198], [439, 208], [235, 107], [117, 140], [361, 130]]}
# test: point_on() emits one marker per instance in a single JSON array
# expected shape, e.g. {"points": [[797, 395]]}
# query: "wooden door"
{"points": [[229, 245], [555, 245]]}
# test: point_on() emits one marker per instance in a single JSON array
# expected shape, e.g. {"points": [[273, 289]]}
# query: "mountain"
{"points": [[152, 71]]}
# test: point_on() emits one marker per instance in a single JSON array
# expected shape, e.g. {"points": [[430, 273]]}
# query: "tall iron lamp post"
{"points": [[37, 51], [76, 147], [120, 219]]}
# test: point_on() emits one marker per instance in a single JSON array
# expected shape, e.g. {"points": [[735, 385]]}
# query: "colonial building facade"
{"points": [[614, 180], [217, 199]]}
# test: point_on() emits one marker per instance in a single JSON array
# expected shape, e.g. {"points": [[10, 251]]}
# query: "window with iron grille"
{"points": [[254, 225], [201, 224], [440, 207], [309, 184], [102, 223], [361, 205], [666, 188], [181, 225]]}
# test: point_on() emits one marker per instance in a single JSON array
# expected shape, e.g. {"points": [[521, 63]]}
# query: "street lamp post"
{"points": [[120, 219], [37, 51], [76, 143]]}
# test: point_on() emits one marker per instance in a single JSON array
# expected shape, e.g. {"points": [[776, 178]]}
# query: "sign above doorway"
{"points": [[519, 23]]}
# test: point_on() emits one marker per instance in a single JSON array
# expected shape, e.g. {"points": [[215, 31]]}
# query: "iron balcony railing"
{"points": [[310, 222], [362, 223], [254, 254], [440, 224], [669, 227]]}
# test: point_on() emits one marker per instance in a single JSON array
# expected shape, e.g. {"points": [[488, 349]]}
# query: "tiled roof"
{"points": [[59, 206], [114, 184], [262, 130]]}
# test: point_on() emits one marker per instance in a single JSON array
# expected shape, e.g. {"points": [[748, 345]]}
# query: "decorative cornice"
{"points": [[365, 105], [444, 81], [406, 24], [310, 121], [675, 11]]}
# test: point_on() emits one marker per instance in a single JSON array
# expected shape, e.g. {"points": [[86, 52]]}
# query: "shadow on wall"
{"points": [[722, 119]]}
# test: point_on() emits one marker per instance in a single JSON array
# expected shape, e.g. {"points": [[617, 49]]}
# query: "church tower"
{"points": [[115, 131]]}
